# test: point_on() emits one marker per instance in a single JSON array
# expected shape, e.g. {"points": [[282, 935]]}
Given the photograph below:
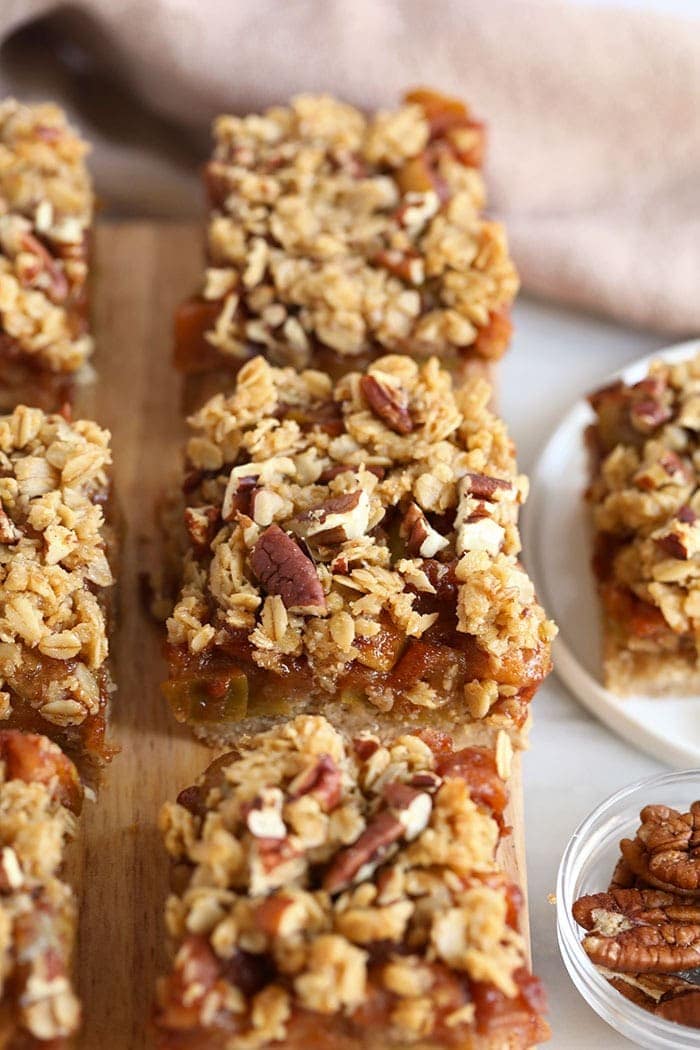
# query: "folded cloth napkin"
{"points": [[594, 159]]}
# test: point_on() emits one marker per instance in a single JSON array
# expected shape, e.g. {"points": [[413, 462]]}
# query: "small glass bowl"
{"points": [[586, 867]]}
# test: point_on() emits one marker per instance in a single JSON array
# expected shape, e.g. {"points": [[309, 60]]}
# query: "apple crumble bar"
{"points": [[353, 550], [40, 795], [335, 237], [55, 579], [645, 453], [335, 893], [46, 205]]}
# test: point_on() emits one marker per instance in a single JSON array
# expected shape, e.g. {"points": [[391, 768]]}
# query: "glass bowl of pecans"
{"points": [[628, 910]]}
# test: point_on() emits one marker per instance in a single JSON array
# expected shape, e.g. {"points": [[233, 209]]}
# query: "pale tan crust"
{"points": [[46, 205], [282, 858], [328, 229]]}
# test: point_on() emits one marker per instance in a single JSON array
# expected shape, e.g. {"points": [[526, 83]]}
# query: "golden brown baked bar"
{"points": [[46, 206], [55, 579], [645, 455], [40, 795], [335, 238], [353, 550], [344, 894]]}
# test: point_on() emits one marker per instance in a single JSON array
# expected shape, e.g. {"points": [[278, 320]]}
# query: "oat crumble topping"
{"points": [[354, 233], [325, 875], [38, 913], [53, 565], [646, 511], [386, 494], [46, 205]]}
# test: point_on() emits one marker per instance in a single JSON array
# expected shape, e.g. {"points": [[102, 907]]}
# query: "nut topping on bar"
{"points": [[54, 573], [283, 569], [349, 234], [38, 915], [46, 204], [382, 909], [384, 570], [645, 451]]}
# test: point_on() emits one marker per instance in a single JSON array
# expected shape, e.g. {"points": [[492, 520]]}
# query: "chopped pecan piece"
{"points": [[408, 266], [380, 833], [421, 538], [264, 817], [201, 524], [282, 568], [9, 533], [322, 780], [483, 486], [674, 544], [388, 401], [340, 518], [411, 805]]}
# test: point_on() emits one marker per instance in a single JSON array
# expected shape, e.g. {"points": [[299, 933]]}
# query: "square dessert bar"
{"points": [[335, 238], [645, 458], [55, 579], [40, 795], [353, 551], [46, 205], [336, 893]]}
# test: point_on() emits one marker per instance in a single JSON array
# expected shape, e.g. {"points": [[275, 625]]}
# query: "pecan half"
{"points": [[682, 1009], [646, 949], [380, 833], [282, 568], [389, 402], [666, 851], [339, 518], [640, 931], [637, 906], [421, 538], [322, 780]]}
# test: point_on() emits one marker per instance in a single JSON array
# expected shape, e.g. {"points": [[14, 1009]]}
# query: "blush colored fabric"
{"points": [[594, 158]]}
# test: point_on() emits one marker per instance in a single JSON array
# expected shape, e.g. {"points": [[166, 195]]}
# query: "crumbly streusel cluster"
{"points": [[645, 498], [46, 204], [53, 564], [394, 483], [38, 914], [322, 875], [353, 232]]}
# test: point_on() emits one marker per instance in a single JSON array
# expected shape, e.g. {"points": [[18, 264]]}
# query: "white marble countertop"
{"points": [[574, 761]]}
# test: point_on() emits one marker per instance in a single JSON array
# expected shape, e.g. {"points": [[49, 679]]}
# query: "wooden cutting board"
{"points": [[119, 866]]}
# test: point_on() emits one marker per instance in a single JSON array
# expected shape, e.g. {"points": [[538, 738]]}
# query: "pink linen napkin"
{"points": [[594, 158]]}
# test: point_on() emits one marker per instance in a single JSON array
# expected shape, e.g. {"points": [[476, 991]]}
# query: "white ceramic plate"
{"points": [[558, 545]]}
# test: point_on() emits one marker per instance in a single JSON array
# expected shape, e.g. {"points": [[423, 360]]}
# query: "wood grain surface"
{"points": [[119, 867]]}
